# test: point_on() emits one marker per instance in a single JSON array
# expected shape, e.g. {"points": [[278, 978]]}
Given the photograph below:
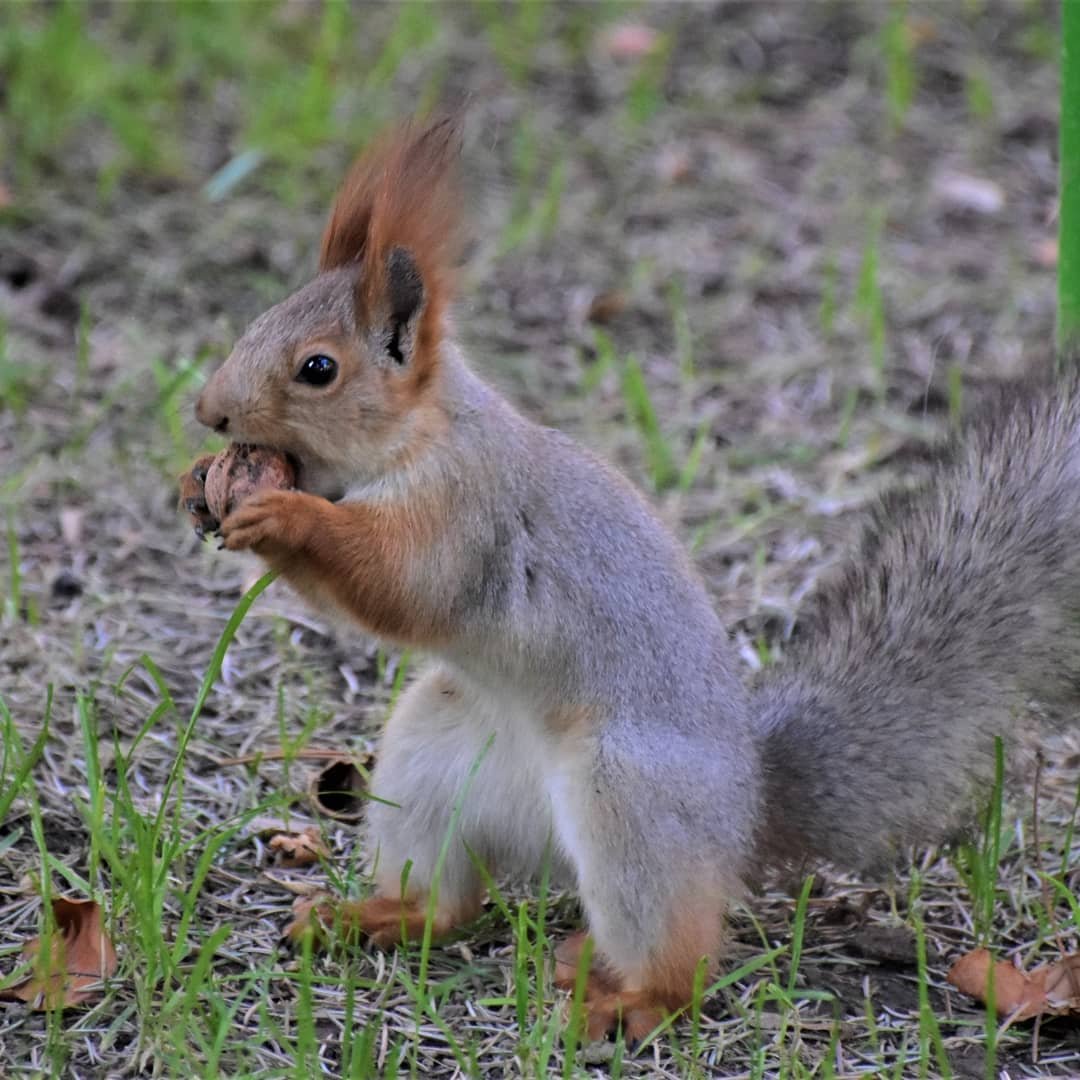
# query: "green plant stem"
{"points": [[1069, 223]]}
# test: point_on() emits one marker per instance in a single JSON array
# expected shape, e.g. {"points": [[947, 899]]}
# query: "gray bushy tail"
{"points": [[961, 604]]}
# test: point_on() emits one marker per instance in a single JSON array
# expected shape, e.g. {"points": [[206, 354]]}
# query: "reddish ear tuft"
{"points": [[401, 193]]}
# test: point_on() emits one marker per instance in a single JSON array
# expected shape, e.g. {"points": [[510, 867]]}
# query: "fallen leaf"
{"points": [[1062, 983], [920, 31], [630, 41], [299, 848], [605, 306], [6, 198], [337, 791], [1048, 990], [80, 957]]}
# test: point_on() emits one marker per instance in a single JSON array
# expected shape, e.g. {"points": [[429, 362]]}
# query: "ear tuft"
{"points": [[397, 215]]}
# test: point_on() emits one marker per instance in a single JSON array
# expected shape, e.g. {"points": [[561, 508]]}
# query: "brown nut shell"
{"points": [[239, 471]]}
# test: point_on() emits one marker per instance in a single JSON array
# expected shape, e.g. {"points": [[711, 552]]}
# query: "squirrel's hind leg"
{"points": [[647, 959], [438, 749], [658, 863]]}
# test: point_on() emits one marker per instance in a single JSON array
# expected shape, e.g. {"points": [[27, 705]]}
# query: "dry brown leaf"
{"points": [[80, 957], [920, 31], [1061, 980], [299, 848], [1049, 990], [606, 306]]}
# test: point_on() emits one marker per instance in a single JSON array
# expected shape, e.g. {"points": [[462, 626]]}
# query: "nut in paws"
{"points": [[267, 522]]}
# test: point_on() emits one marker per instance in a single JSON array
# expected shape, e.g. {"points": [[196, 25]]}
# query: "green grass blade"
{"points": [[212, 672], [1069, 222]]}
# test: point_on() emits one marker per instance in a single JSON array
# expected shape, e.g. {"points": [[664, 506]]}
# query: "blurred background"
{"points": [[762, 254], [752, 250]]}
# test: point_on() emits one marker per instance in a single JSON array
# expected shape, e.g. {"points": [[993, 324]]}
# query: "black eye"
{"points": [[317, 370]]}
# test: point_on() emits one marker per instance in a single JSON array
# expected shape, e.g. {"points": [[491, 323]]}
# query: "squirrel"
{"points": [[583, 702]]}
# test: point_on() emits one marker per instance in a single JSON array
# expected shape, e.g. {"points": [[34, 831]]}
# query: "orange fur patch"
{"points": [[401, 193], [694, 933], [695, 930], [371, 553], [599, 982], [365, 557], [385, 920], [636, 1012]]}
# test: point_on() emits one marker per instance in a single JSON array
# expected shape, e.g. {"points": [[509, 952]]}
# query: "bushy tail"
{"points": [[961, 604]]}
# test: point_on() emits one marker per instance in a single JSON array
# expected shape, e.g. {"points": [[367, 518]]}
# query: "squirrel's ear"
{"points": [[405, 300], [396, 216]]}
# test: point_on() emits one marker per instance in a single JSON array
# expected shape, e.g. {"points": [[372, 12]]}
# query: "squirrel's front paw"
{"points": [[270, 523], [193, 496]]}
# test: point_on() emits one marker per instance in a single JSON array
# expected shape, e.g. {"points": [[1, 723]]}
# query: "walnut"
{"points": [[239, 471], [216, 485]]}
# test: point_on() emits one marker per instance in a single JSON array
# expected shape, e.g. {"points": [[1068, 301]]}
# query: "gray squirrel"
{"points": [[562, 618]]}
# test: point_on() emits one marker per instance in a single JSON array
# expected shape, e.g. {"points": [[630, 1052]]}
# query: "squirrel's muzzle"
{"points": [[210, 409]]}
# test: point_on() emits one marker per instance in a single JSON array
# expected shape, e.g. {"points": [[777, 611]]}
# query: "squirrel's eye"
{"points": [[317, 370]]}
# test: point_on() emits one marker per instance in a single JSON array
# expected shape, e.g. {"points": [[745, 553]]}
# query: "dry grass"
{"points": [[730, 196]]}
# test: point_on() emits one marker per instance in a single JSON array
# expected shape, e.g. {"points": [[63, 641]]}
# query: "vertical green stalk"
{"points": [[1069, 223]]}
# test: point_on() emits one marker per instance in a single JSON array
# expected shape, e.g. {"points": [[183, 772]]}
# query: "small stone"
{"points": [[973, 194]]}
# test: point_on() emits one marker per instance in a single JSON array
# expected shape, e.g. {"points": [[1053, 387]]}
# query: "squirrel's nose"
{"points": [[207, 415]]}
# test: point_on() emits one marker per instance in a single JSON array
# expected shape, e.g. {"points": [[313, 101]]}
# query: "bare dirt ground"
{"points": [[813, 290]]}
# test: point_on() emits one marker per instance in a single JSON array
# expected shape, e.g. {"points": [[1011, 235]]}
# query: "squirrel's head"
{"points": [[343, 375]]}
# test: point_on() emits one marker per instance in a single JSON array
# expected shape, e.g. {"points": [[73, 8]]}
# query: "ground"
{"points": [[759, 254]]}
